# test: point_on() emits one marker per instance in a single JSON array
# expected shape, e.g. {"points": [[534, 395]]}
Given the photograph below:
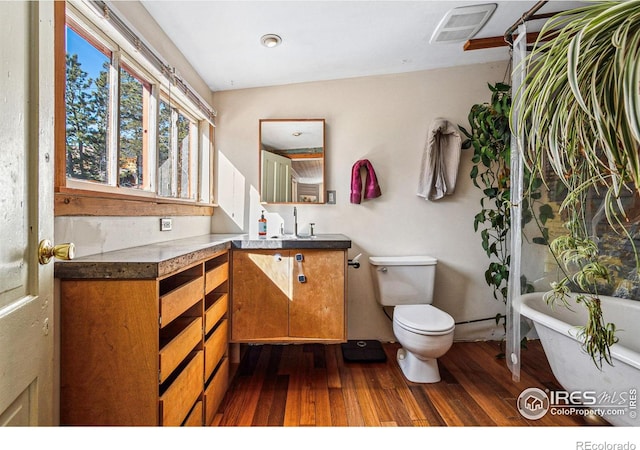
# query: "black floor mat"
{"points": [[363, 351]]}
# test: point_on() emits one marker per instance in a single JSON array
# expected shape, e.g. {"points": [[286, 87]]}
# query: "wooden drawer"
{"points": [[188, 333], [215, 390], [180, 299], [195, 416], [216, 277], [215, 347], [215, 311], [181, 395]]}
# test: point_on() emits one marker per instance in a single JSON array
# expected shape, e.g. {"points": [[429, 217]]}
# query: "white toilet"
{"points": [[424, 331]]}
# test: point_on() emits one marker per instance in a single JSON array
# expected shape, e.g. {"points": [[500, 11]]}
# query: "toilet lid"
{"points": [[423, 319]]}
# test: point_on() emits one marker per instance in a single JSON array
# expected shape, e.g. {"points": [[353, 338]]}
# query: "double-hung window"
{"points": [[129, 132], [177, 138]]}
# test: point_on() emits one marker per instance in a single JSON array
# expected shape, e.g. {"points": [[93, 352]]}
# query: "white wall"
{"points": [[384, 119], [93, 235]]}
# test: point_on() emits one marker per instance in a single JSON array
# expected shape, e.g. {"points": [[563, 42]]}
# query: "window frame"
{"points": [[78, 197], [148, 134]]}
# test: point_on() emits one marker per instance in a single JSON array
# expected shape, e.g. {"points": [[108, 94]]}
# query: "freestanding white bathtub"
{"points": [[614, 387]]}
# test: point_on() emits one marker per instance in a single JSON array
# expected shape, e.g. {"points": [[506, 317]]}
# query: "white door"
{"points": [[26, 213], [276, 178]]}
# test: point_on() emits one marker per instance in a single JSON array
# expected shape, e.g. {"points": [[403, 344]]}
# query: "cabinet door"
{"points": [[261, 294], [318, 307], [109, 352]]}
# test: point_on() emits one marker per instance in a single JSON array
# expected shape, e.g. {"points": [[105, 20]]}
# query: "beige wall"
{"points": [[384, 119]]}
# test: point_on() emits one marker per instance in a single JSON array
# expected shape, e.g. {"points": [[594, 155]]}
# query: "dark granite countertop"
{"points": [[157, 260], [148, 261], [320, 241]]}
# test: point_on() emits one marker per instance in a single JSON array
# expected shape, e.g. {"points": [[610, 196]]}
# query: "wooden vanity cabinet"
{"points": [[270, 303], [145, 352]]}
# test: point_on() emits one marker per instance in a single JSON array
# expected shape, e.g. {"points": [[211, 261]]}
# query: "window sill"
{"points": [[78, 202]]}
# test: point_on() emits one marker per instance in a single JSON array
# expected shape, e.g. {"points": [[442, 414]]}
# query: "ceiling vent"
{"points": [[461, 24]]}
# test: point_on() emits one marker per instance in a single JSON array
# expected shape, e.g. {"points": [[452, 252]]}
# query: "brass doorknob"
{"points": [[46, 251]]}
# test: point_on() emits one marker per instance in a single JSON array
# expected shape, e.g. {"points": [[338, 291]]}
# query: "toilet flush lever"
{"points": [[382, 269]]}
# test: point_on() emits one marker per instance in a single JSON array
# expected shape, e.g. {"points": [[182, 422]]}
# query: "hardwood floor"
{"points": [[311, 385]]}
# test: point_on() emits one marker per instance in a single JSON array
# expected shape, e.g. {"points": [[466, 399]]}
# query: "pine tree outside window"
{"points": [[187, 151], [165, 166], [127, 129], [133, 161], [87, 114]]}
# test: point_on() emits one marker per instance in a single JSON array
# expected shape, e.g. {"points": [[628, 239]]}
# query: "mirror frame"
{"points": [[322, 194]]}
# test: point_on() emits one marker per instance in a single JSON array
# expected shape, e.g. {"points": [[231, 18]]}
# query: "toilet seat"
{"points": [[426, 320]]}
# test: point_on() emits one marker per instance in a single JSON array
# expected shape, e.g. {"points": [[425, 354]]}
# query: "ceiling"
{"points": [[292, 134], [323, 40]]}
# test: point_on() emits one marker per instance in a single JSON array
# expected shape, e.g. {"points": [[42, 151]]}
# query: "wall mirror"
{"points": [[292, 161]]}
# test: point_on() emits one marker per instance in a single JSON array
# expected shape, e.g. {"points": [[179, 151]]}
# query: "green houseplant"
{"points": [[490, 137], [580, 107]]}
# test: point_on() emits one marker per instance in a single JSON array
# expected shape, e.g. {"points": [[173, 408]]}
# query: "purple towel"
{"points": [[371, 190]]}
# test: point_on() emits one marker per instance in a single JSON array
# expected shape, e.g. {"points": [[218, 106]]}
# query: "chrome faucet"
{"points": [[295, 221]]}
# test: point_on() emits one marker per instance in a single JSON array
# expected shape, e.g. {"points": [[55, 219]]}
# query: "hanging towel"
{"points": [[440, 161], [371, 189]]}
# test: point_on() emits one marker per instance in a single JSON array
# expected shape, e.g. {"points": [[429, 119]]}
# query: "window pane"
{"points": [[164, 150], [87, 100], [184, 157], [134, 96]]}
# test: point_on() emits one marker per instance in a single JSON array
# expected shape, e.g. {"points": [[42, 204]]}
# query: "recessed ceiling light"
{"points": [[270, 40]]}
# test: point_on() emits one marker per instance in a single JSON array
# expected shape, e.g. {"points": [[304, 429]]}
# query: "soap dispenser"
{"points": [[262, 226]]}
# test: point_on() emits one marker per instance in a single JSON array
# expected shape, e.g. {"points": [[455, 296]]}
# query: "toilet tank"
{"points": [[403, 280]]}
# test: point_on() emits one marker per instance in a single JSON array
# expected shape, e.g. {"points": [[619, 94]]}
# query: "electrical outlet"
{"points": [[165, 224], [331, 197]]}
